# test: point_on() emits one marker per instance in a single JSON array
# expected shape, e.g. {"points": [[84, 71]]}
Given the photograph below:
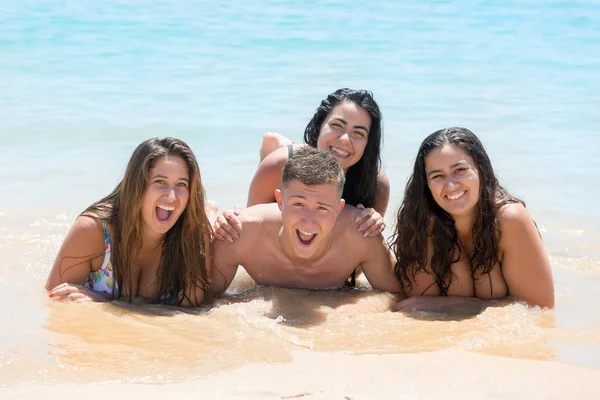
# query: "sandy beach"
{"points": [[337, 376]]}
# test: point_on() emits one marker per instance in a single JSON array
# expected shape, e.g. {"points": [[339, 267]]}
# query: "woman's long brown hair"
{"points": [[183, 264]]}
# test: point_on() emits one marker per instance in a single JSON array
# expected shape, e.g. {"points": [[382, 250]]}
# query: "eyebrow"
{"points": [[346, 123], [166, 177], [305, 198], [437, 171]]}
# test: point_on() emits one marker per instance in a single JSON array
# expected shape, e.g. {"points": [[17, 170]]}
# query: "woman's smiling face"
{"points": [[345, 133], [453, 180]]}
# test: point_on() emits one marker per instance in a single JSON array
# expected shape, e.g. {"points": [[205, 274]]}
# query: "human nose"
{"points": [[171, 195], [309, 217], [451, 182], [344, 137]]}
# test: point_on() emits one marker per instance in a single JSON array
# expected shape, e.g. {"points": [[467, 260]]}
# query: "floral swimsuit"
{"points": [[102, 281]]}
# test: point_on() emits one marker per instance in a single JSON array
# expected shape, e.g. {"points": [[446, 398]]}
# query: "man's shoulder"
{"points": [[346, 226], [258, 222], [347, 216], [347, 229]]}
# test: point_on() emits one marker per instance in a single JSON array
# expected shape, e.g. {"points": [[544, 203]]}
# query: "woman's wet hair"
{"points": [[421, 219], [361, 178], [182, 267]]}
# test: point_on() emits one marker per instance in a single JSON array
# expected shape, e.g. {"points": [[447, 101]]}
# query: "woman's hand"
{"points": [[75, 293], [227, 225], [369, 221]]}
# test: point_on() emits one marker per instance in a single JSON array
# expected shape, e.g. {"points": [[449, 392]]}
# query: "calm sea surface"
{"points": [[82, 83]]}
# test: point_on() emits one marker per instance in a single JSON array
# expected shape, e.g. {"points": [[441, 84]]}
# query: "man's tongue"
{"points": [[305, 239], [162, 214]]}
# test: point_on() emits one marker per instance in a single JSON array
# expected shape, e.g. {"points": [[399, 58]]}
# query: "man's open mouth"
{"points": [[304, 237]]}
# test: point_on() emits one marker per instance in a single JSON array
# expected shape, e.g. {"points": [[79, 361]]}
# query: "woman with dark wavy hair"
{"points": [[348, 125], [149, 238], [460, 234]]}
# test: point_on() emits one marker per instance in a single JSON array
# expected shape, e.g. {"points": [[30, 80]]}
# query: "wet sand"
{"points": [[314, 375], [274, 343]]}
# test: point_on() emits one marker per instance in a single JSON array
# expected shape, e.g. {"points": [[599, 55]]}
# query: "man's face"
{"points": [[308, 215]]}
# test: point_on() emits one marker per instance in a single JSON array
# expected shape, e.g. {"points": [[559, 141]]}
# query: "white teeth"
{"points": [[167, 208], [456, 196], [339, 152], [306, 233]]}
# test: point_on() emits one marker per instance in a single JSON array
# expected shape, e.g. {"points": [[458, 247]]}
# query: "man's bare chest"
{"points": [[329, 271]]}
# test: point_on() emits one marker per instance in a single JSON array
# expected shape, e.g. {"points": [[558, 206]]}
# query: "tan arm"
{"points": [[382, 197], [378, 265], [82, 248], [423, 283], [525, 264], [267, 178]]}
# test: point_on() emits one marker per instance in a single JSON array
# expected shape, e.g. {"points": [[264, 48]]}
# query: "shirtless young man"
{"points": [[307, 239]]}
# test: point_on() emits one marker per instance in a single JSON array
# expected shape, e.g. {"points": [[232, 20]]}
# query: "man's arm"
{"points": [[224, 265], [378, 265], [228, 256]]}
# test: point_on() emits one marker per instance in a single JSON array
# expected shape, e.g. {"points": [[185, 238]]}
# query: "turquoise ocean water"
{"points": [[82, 83]]}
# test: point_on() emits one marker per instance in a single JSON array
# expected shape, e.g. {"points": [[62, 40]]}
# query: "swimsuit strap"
{"points": [[106, 234], [102, 281], [290, 150]]}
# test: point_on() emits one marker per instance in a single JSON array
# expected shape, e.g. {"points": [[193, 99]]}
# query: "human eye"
{"points": [[160, 182], [460, 170], [436, 176], [359, 134], [182, 184]]}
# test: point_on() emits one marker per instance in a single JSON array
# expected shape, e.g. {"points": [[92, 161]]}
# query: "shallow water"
{"points": [[82, 84], [53, 342]]}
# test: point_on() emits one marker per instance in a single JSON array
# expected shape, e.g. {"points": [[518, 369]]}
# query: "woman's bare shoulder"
{"points": [[267, 177], [515, 224], [382, 178], [86, 224], [382, 197], [512, 215], [278, 157]]}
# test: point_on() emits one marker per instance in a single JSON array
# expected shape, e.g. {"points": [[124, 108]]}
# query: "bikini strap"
{"points": [[106, 234]]}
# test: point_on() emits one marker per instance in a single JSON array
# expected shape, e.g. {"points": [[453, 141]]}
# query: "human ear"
{"points": [[341, 205], [279, 198]]}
